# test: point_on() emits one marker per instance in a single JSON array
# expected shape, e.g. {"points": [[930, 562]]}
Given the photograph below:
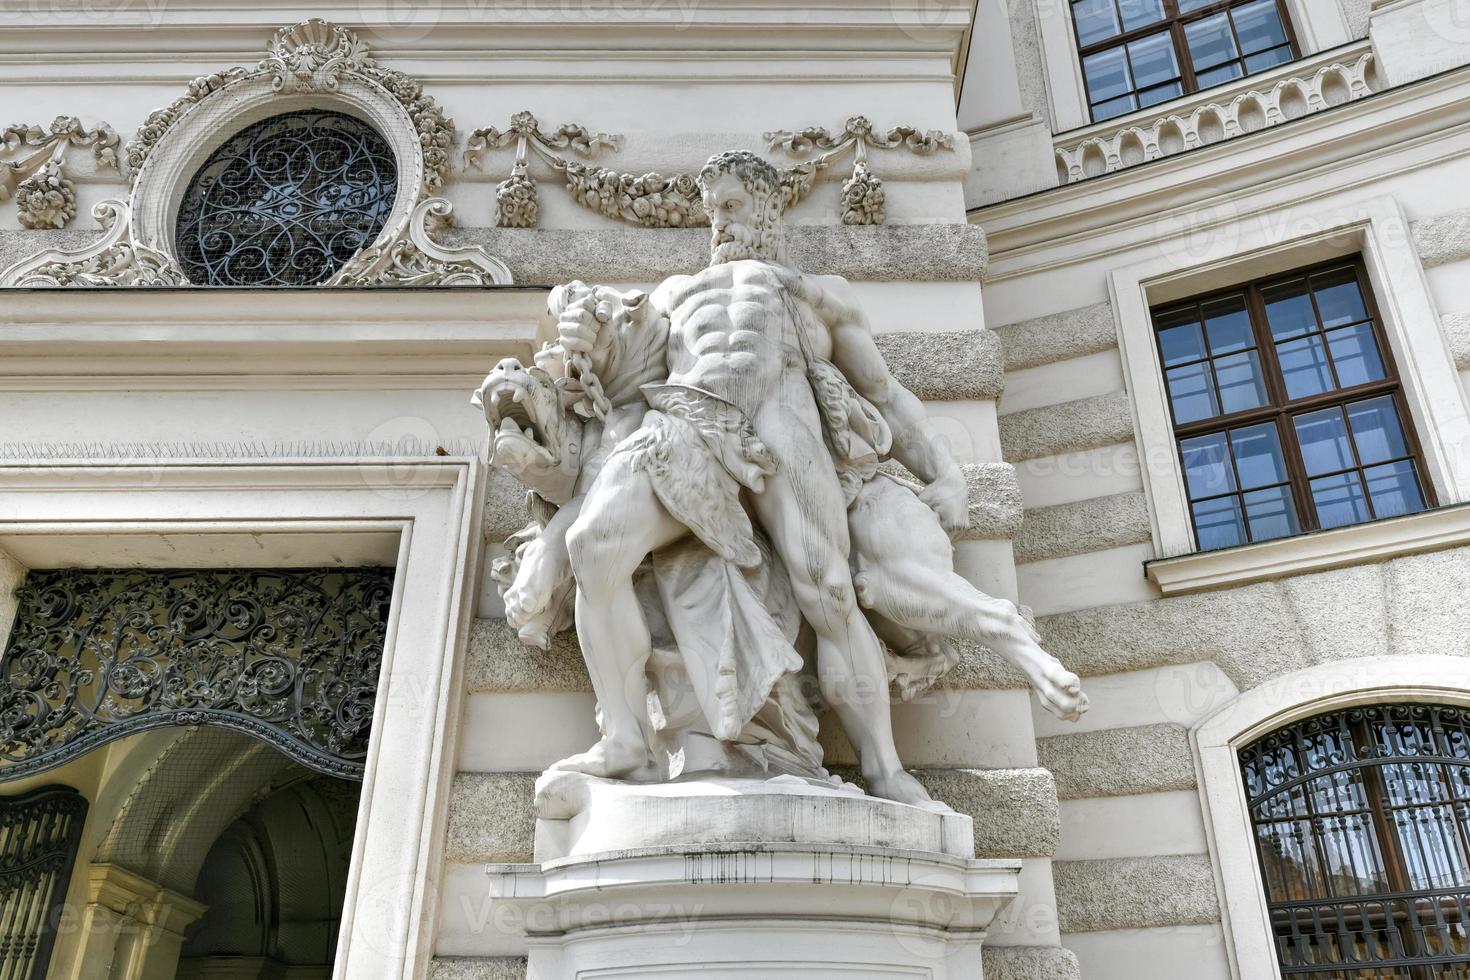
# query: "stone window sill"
{"points": [[1430, 530]]}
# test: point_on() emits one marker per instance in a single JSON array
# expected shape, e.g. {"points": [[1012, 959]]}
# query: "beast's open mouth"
{"points": [[507, 412]]}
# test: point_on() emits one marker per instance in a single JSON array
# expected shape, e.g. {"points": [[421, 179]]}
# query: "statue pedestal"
{"points": [[747, 878]]}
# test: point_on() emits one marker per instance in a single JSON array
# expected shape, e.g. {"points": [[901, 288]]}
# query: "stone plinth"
{"points": [[731, 878]]}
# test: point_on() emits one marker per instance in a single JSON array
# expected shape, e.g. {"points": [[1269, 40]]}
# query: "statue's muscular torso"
{"points": [[733, 332]]}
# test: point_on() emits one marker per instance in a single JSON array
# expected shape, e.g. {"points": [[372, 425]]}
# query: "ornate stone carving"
{"points": [[415, 259], [36, 176], [656, 200], [516, 198], [314, 56], [752, 478], [114, 259], [1211, 121], [863, 198]]}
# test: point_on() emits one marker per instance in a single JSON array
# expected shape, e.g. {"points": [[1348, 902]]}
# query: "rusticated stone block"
{"points": [[478, 968], [1082, 527], [1119, 761], [1086, 423], [1029, 963], [945, 366], [1135, 893], [491, 817], [499, 661], [1058, 337]]}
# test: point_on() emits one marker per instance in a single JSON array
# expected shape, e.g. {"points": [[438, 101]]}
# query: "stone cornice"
{"points": [[1136, 202], [459, 28]]}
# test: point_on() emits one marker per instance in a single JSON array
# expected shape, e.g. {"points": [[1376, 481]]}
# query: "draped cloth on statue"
{"points": [[725, 597]]}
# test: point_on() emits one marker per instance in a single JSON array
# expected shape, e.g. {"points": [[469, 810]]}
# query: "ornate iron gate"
{"points": [[290, 656], [39, 834]]}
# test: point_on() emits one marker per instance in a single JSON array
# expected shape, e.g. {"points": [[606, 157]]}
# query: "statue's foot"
{"points": [[1059, 690], [901, 787], [609, 758]]}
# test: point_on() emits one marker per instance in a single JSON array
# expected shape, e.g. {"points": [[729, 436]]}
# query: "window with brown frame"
{"points": [[1287, 408], [1138, 53]]}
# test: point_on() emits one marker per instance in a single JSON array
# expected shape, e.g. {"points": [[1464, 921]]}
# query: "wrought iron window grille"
{"points": [[286, 201], [39, 835], [290, 656], [1362, 826]]}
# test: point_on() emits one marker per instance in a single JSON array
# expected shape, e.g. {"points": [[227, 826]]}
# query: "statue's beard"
{"points": [[737, 241]]}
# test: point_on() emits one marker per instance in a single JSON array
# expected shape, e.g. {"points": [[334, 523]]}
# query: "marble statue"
{"points": [[712, 512]]}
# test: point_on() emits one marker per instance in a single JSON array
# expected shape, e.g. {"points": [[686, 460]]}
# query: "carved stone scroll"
{"points": [[34, 172]]}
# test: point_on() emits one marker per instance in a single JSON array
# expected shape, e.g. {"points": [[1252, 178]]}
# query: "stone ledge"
{"points": [[1014, 811], [478, 968], [615, 253], [1443, 239], [491, 818], [1257, 632], [947, 366], [1119, 761], [1058, 337], [1000, 963], [1135, 893], [877, 253], [1068, 427], [1029, 963], [1084, 526]]}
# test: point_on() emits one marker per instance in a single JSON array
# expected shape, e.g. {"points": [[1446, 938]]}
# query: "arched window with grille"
{"points": [[286, 201], [1362, 827]]}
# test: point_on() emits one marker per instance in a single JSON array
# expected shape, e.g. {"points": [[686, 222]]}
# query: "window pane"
{"points": [[1270, 513], [1339, 500], [1338, 297], [1140, 13], [1355, 354], [1376, 430], [1210, 41], [1185, 6], [1304, 366], [1269, 58], [1107, 75], [1324, 441], [1289, 310], [1258, 25], [1115, 107], [1218, 76], [1182, 344], [1206, 466], [1394, 488], [1192, 393], [1258, 457], [1228, 325], [1153, 60], [1097, 20], [1218, 523], [1241, 386], [1162, 93]]}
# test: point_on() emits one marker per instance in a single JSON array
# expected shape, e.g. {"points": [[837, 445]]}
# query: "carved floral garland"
{"points": [[36, 178], [654, 200]]}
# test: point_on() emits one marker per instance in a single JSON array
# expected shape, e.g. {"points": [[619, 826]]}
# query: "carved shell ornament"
{"points": [[312, 57], [655, 200]]}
